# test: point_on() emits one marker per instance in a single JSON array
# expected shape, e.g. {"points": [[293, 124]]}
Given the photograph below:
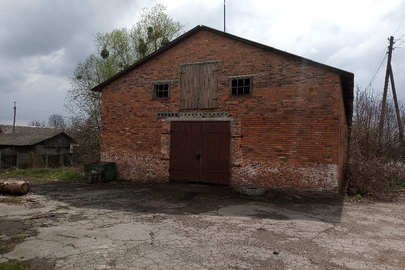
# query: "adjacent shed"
{"points": [[215, 108], [24, 150]]}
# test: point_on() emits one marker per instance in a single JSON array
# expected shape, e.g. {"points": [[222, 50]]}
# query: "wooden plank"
{"points": [[184, 146], [200, 151], [215, 166], [198, 86], [204, 87], [211, 86], [195, 95]]}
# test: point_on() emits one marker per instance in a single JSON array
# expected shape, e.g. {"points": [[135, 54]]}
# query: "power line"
{"points": [[378, 67], [398, 46], [377, 71], [399, 40], [400, 37], [398, 30]]}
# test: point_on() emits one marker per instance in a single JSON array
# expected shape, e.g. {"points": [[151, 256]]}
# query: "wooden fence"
{"points": [[31, 160]]}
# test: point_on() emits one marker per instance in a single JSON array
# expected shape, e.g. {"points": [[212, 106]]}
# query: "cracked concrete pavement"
{"points": [[193, 226]]}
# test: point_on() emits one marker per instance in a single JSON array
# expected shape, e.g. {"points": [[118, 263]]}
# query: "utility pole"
{"points": [[224, 16], [15, 113], [390, 76]]}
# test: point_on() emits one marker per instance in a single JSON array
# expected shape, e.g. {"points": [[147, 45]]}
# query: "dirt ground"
{"points": [[74, 225]]}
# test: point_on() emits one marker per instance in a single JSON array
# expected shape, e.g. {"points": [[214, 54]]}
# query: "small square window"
{"points": [[241, 86], [161, 91]]}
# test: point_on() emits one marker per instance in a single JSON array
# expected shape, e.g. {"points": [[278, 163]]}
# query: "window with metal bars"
{"points": [[241, 86], [161, 91]]}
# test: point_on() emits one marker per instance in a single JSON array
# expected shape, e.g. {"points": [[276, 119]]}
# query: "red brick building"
{"points": [[215, 108]]}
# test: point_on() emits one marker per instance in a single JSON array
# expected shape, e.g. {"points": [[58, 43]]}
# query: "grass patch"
{"points": [[59, 207], [4, 248], [358, 197], [355, 198], [15, 200], [46, 174], [11, 200], [18, 236], [17, 265]]}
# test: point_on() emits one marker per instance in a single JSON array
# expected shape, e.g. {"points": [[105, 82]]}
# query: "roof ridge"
{"points": [[199, 28]]}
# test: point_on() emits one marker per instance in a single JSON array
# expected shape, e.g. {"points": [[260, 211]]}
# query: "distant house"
{"points": [[46, 148], [215, 108]]}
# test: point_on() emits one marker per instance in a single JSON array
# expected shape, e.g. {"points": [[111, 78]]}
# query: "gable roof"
{"points": [[347, 78], [27, 129], [27, 139], [199, 28]]}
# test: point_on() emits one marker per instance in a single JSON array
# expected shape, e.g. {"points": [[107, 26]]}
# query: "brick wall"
{"points": [[290, 134]]}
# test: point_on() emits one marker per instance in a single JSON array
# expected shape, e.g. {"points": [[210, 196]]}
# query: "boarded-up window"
{"points": [[198, 86]]}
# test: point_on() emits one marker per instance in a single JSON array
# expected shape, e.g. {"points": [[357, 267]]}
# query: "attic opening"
{"points": [[199, 86]]}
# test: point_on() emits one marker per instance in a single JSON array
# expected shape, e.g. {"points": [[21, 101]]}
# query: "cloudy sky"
{"points": [[42, 40]]}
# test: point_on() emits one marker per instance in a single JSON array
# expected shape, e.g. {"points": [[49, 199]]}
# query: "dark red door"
{"points": [[200, 151]]}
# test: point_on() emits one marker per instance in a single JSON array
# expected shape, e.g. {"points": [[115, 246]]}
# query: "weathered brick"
{"points": [[290, 134]]}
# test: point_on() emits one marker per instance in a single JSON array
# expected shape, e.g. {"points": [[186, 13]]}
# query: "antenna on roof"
{"points": [[224, 16]]}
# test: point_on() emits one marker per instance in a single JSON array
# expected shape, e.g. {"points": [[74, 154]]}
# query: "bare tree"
{"points": [[56, 121], [375, 164], [88, 136], [37, 123]]}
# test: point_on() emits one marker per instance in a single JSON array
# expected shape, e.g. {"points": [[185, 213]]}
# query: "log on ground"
{"points": [[14, 187]]}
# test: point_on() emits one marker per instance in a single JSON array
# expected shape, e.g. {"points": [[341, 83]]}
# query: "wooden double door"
{"points": [[200, 152]]}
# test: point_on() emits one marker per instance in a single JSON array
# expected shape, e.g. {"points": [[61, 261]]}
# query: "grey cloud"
{"points": [[36, 28], [40, 43], [42, 40]]}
